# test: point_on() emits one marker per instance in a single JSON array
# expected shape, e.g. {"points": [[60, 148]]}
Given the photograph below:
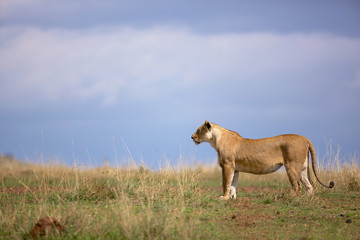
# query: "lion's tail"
{"points": [[313, 160]]}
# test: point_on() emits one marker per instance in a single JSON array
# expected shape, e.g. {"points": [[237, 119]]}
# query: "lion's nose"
{"points": [[192, 137]]}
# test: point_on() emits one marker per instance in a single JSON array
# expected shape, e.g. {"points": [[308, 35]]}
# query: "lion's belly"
{"points": [[257, 168]]}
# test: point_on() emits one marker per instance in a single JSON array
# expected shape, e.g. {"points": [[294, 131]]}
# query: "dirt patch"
{"points": [[15, 190], [46, 225], [248, 221]]}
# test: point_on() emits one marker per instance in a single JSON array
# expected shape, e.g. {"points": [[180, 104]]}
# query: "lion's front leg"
{"points": [[227, 177]]}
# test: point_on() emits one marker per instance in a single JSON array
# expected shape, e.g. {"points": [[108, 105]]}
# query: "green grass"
{"points": [[111, 203]]}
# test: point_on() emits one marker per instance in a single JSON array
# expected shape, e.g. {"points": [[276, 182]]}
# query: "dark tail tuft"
{"points": [[332, 184]]}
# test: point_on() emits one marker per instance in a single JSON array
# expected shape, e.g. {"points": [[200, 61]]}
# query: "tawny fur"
{"points": [[259, 156]]}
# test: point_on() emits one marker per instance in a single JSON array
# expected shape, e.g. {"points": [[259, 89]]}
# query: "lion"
{"points": [[259, 156]]}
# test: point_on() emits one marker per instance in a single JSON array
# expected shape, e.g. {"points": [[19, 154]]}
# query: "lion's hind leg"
{"points": [[305, 177], [294, 178], [234, 184], [232, 194]]}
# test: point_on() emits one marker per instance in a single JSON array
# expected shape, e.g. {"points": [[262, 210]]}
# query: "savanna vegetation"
{"points": [[175, 203]]}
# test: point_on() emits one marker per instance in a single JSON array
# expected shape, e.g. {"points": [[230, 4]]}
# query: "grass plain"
{"points": [[175, 203]]}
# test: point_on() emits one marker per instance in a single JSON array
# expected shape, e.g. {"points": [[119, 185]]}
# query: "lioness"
{"points": [[259, 156]]}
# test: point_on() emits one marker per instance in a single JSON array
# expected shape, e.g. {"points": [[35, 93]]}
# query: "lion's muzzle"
{"points": [[195, 140]]}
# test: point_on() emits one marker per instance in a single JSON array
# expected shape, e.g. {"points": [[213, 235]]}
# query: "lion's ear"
{"points": [[207, 124]]}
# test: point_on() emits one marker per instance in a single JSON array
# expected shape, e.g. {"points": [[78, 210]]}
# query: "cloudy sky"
{"points": [[116, 79]]}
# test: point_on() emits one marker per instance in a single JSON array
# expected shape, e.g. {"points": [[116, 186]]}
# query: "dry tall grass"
{"points": [[128, 203], [132, 203]]}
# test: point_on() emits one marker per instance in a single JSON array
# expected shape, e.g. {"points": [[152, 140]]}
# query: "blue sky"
{"points": [[91, 79]]}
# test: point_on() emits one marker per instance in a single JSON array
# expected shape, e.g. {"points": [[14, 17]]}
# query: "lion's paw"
{"points": [[224, 198]]}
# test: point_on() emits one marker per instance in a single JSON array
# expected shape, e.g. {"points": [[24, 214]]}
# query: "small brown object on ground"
{"points": [[46, 225]]}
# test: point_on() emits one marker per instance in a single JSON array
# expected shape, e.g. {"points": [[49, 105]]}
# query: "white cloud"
{"points": [[112, 63]]}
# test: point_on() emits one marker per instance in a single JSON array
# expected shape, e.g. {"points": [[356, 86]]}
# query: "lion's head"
{"points": [[202, 134]]}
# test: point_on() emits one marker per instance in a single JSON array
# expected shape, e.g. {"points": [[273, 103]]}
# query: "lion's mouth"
{"points": [[197, 142]]}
